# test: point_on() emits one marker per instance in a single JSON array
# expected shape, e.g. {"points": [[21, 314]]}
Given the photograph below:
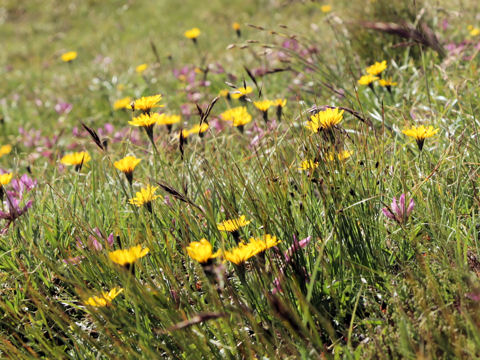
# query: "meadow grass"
{"points": [[358, 239]]}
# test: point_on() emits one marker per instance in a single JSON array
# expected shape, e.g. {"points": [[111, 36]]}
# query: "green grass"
{"points": [[364, 286]]}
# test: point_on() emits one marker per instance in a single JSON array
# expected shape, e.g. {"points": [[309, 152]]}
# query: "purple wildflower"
{"points": [[399, 212], [63, 108]]}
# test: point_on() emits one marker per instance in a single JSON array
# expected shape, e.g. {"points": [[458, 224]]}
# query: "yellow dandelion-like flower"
{"points": [[196, 129], [103, 300], [240, 254], [145, 197], [123, 103], [387, 82], [241, 92], [76, 159], [263, 105], [239, 116], [264, 243], [377, 68], [5, 179], [147, 103], [236, 26], [342, 155], [141, 68], [192, 34], [325, 120], [224, 93], [164, 119], [326, 8], [127, 165], [233, 225], [69, 56], [308, 165], [128, 256], [474, 31], [367, 79], [201, 251], [5, 149], [280, 102], [420, 133]]}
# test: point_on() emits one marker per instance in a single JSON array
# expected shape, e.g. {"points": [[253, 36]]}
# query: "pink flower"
{"points": [[399, 212], [63, 108]]}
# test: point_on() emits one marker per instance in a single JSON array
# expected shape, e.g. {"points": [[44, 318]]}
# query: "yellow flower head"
{"points": [[69, 56], [263, 105], [224, 93], [128, 256], [147, 103], [76, 158], [420, 133], [280, 102], [308, 165], [387, 82], [474, 31], [103, 300], [241, 253], [127, 164], [233, 225], [192, 33], [326, 8], [241, 92], [367, 79], [236, 26], [325, 120], [164, 119], [145, 120], [196, 129], [239, 116], [123, 103], [377, 68], [264, 243], [141, 68], [201, 251], [5, 149], [5, 179], [342, 155], [145, 196]]}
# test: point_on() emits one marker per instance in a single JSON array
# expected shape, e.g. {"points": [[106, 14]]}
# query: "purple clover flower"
{"points": [[399, 212]]}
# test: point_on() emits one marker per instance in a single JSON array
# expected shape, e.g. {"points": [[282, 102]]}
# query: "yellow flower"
{"points": [[128, 256], [326, 8], [420, 133], [377, 68], [76, 158], [5, 179], [123, 103], [5, 149], [342, 155], [239, 116], [387, 82], [192, 33], [236, 26], [164, 119], [264, 243], [145, 120], [127, 165], [145, 196], [201, 251], [474, 31], [103, 300], [241, 253], [224, 93], [241, 92], [367, 79], [141, 68], [325, 119], [147, 103], [280, 102], [69, 56], [308, 165], [263, 105], [195, 129], [233, 225]]}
